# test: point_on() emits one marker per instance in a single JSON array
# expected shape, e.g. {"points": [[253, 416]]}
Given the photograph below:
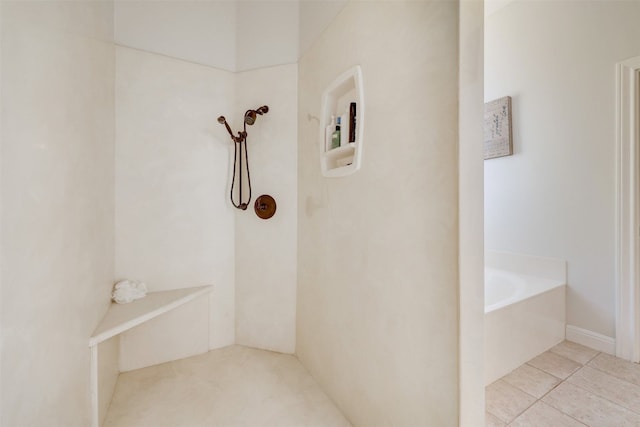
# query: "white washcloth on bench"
{"points": [[126, 291]]}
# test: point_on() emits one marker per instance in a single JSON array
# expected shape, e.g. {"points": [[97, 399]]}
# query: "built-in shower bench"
{"points": [[122, 317]]}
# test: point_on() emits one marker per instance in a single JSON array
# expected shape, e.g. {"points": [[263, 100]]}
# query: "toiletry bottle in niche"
{"points": [[352, 122], [344, 128], [328, 134], [335, 138]]}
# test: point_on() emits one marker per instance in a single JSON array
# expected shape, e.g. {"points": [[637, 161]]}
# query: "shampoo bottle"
{"points": [[328, 134], [335, 138], [344, 129]]}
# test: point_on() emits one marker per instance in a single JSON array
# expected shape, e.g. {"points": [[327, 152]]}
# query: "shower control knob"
{"points": [[265, 206]]}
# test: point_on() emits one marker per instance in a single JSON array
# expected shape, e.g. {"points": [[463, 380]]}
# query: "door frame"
{"points": [[627, 211]]}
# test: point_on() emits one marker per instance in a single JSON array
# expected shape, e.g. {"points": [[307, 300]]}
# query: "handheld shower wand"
{"points": [[249, 119], [241, 135]]}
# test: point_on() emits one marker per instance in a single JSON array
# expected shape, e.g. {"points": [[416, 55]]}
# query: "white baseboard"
{"points": [[591, 339]]}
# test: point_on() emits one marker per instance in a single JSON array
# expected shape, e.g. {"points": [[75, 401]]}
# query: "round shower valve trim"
{"points": [[265, 206]]}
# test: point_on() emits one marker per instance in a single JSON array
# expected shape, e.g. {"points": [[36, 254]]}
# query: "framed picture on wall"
{"points": [[498, 138]]}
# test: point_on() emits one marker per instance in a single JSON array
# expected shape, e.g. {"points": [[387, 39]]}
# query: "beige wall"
{"points": [[266, 33], [57, 211], [471, 206], [175, 226], [556, 195], [203, 32], [174, 221], [266, 250], [377, 304], [231, 35], [315, 17], [1, 162], [377, 322]]}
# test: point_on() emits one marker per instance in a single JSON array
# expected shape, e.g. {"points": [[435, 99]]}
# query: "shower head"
{"points": [[222, 120], [250, 115]]}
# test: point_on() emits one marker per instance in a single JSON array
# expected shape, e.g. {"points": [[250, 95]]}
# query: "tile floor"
{"points": [[233, 386], [569, 385]]}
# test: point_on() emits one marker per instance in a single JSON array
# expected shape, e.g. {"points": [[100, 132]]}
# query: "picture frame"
{"points": [[498, 134]]}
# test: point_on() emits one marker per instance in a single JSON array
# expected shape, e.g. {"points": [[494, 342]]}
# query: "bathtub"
{"points": [[524, 316]]}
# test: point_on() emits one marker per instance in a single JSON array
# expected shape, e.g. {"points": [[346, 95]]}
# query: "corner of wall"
{"points": [[108, 372], [57, 244], [471, 213], [265, 270]]}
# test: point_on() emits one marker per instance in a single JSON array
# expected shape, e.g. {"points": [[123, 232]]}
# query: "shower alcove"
{"points": [[345, 160]]}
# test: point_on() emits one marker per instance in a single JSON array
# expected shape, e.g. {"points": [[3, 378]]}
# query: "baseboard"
{"points": [[591, 339]]}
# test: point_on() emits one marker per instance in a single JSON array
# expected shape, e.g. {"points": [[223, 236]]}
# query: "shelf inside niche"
{"points": [[336, 99]]}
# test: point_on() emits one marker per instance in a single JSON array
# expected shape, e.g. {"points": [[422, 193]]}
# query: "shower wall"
{"points": [[266, 250], [377, 303], [203, 32], [230, 35], [315, 17], [266, 33], [470, 212], [57, 204], [167, 107], [174, 224]]}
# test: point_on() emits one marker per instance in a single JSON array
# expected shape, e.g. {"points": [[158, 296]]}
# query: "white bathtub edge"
{"points": [[591, 339], [541, 286], [517, 333], [528, 265]]}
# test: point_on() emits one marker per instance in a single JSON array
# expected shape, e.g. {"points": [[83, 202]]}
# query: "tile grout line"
{"points": [[552, 407], [539, 400], [560, 410], [611, 375], [580, 363], [562, 381], [604, 398], [496, 417], [554, 387], [596, 355], [580, 366], [536, 398], [525, 409], [558, 378], [519, 413], [578, 386]]}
